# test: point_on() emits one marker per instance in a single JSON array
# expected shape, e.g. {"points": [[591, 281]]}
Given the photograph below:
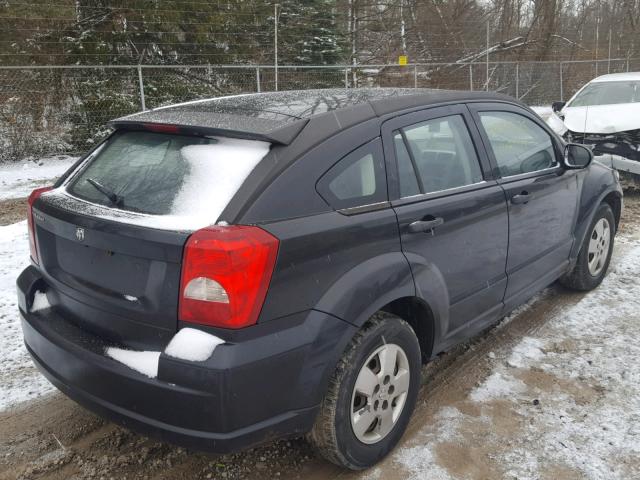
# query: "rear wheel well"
{"points": [[615, 202], [417, 314]]}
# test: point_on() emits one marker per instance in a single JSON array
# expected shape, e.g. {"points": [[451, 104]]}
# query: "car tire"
{"points": [[595, 252], [363, 390]]}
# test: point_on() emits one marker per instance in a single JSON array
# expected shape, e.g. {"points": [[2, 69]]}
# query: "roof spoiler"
{"points": [[283, 135]]}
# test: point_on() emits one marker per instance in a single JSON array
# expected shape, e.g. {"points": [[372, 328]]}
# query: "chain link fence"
{"points": [[64, 109]]}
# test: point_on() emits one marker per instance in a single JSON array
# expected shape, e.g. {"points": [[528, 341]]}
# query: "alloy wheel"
{"points": [[598, 247], [380, 393]]}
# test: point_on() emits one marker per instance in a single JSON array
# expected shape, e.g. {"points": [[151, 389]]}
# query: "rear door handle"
{"points": [[521, 199], [425, 225]]}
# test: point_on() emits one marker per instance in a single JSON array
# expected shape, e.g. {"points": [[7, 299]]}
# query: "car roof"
{"points": [[278, 117], [617, 77]]}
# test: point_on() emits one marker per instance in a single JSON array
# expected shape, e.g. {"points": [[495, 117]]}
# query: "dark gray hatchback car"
{"points": [[225, 272]]}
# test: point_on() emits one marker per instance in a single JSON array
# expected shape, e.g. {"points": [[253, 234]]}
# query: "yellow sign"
{"points": [[403, 60]]}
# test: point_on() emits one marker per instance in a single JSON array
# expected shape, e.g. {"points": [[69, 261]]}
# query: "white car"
{"points": [[605, 114]]}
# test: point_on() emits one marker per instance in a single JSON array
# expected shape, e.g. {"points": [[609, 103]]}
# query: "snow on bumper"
{"points": [[187, 344]]}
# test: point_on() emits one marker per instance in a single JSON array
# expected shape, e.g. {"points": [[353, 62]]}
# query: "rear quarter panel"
{"points": [[348, 266], [344, 265]]}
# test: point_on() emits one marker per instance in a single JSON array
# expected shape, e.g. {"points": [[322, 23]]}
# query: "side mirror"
{"points": [[557, 106], [577, 156]]}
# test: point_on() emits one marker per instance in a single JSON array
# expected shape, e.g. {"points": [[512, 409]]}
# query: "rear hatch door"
{"points": [[119, 281], [111, 238]]}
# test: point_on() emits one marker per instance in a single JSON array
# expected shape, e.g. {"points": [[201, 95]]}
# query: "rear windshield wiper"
{"points": [[113, 197]]}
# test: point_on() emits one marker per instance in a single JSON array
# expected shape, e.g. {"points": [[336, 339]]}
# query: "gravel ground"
{"points": [[522, 400]]}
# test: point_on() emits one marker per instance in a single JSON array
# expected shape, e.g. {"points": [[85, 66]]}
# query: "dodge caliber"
{"points": [[225, 272]]}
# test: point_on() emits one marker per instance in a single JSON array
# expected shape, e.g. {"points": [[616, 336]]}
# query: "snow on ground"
{"points": [[544, 111], [550, 117], [565, 404], [17, 180], [19, 379]]}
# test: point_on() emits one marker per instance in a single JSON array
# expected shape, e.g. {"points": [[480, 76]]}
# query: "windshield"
{"points": [[163, 174], [607, 93]]}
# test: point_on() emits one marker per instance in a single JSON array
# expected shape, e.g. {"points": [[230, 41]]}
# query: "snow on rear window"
{"points": [[166, 181], [240, 157]]}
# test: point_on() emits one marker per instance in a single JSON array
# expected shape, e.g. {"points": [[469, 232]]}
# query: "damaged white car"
{"points": [[604, 114]]}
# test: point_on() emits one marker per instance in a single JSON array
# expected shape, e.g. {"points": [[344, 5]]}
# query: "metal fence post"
{"points": [[561, 85], [415, 76], [275, 43], [346, 78], [471, 77], [141, 84], [258, 79], [518, 80]]}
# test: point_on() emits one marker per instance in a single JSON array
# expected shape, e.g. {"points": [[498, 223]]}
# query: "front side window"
{"points": [[519, 144], [436, 155], [358, 179]]}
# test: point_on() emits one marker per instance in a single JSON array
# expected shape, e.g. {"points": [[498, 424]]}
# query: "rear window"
{"points": [[163, 174]]}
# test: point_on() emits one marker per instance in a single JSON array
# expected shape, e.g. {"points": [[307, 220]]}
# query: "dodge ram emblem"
{"points": [[80, 234]]}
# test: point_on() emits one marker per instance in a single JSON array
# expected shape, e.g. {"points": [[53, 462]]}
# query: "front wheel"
{"points": [[595, 252], [371, 394]]}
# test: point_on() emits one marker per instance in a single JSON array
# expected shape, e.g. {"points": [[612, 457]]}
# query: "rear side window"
{"points": [[406, 173], [163, 174], [519, 145], [436, 155], [356, 180]]}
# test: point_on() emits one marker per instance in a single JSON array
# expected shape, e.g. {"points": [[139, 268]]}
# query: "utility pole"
{"points": [[609, 56], [597, 35], [402, 29], [275, 43], [487, 86], [353, 25], [141, 86]]}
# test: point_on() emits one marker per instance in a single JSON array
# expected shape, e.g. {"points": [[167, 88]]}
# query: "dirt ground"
{"points": [[53, 438], [12, 211]]}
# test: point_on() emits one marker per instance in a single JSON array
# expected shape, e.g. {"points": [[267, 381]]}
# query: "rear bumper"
{"points": [[265, 387]]}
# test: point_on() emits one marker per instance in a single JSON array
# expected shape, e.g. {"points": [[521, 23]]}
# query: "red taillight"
{"points": [[225, 275], [161, 128], [30, 225]]}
